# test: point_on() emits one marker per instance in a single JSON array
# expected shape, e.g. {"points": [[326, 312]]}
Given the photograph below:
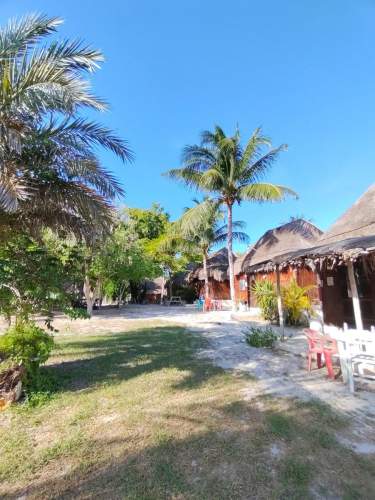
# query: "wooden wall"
{"points": [[337, 301], [219, 290], [303, 276], [241, 285]]}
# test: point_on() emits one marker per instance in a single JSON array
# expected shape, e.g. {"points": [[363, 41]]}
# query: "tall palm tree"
{"points": [[201, 228], [220, 165], [49, 171]]}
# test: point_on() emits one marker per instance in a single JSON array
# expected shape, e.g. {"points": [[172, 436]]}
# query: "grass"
{"points": [[137, 415]]}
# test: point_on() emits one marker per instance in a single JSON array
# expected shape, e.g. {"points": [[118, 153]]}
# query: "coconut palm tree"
{"points": [[220, 165], [201, 228], [49, 171]]}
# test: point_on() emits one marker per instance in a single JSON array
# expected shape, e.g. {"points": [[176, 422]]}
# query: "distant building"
{"points": [[218, 277]]}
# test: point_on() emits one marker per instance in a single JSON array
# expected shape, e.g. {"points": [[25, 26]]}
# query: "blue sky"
{"points": [[304, 70]]}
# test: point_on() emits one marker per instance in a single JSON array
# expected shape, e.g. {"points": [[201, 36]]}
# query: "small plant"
{"points": [[296, 301], [265, 295], [27, 344], [261, 337]]}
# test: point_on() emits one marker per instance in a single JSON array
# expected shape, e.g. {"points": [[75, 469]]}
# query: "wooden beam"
{"points": [[355, 296], [280, 302]]}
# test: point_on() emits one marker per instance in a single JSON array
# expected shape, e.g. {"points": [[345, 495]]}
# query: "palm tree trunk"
{"points": [[230, 256], [205, 272]]}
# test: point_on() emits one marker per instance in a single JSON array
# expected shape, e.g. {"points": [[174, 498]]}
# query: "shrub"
{"points": [[265, 295], [261, 337], [296, 301], [27, 343]]}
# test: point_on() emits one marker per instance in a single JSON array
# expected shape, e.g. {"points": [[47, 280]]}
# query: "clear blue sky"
{"points": [[304, 70]]}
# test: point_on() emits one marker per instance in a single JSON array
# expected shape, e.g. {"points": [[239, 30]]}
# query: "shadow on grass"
{"points": [[112, 358], [235, 456]]}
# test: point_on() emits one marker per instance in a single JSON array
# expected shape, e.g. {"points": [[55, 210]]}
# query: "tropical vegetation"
{"points": [[221, 166], [295, 298], [201, 228]]}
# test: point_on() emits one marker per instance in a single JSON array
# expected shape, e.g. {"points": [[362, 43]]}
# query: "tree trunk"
{"points": [[120, 295], [162, 291], [205, 272], [230, 257], [90, 295]]}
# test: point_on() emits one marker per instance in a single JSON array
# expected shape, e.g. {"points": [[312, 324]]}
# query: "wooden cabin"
{"points": [[344, 261], [257, 263], [218, 276]]}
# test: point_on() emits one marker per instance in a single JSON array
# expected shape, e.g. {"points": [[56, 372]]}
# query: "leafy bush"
{"points": [[265, 295], [27, 343], [261, 337], [296, 301]]}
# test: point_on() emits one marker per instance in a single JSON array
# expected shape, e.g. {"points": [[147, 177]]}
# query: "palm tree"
{"points": [[220, 165], [49, 171], [200, 228]]}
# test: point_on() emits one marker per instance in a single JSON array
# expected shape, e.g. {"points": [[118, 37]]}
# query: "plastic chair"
{"points": [[319, 344], [207, 304]]}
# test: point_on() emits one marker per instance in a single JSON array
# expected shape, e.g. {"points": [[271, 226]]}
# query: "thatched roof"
{"points": [[217, 267], [351, 236], [154, 286], [243, 261], [292, 236], [357, 221]]}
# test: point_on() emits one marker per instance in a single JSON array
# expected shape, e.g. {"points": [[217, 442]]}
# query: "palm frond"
{"points": [[252, 147], [82, 132], [21, 34], [258, 169], [261, 192]]}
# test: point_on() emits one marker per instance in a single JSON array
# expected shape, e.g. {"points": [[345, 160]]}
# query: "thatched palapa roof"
{"points": [[351, 236], [292, 236], [217, 267], [154, 287], [243, 261], [357, 221]]}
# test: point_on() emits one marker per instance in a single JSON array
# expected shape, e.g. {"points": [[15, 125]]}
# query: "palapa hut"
{"points": [[218, 277], [258, 263], [155, 290], [344, 260]]}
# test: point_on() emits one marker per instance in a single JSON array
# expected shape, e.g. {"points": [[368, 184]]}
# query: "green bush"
{"points": [[296, 301], [261, 337], [265, 295], [27, 343]]}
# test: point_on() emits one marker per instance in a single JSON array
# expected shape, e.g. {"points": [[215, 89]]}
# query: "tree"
{"points": [[123, 261], [201, 228], [220, 165], [152, 226], [49, 171], [149, 223], [34, 279]]}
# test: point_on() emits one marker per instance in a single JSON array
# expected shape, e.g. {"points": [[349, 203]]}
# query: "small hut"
{"points": [[155, 290], [218, 277], [258, 263], [344, 260]]}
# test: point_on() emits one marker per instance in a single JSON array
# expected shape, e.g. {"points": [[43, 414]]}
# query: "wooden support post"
{"points": [[319, 284], [280, 302], [355, 297]]}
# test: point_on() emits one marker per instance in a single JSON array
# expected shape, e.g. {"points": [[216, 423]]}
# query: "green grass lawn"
{"points": [[137, 415]]}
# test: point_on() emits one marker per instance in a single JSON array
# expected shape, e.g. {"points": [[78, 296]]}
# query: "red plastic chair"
{"points": [[319, 344], [207, 304]]}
